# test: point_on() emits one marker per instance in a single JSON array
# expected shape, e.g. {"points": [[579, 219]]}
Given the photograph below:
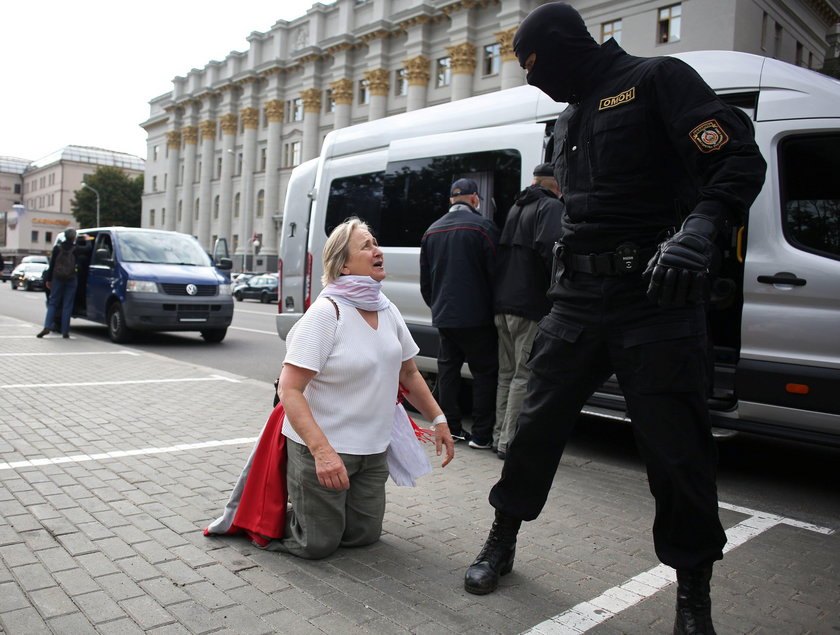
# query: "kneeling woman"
{"points": [[344, 362]]}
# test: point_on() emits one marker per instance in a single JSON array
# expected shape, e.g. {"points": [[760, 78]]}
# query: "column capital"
{"points": [[463, 58], [505, 39], [230, 123], [208, 129], [417, 70], [173, 139], [311, 100], [250, 118], [378, 81], [342, 91], [190, 134], [274, 110]]}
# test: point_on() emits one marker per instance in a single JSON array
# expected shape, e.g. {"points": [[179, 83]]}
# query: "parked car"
{"points": [[29, 276], [44, 260], [242, 277], [262, 287]]}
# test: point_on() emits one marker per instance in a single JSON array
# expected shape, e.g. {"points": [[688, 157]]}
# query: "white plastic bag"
{"points": [[407, 461]]}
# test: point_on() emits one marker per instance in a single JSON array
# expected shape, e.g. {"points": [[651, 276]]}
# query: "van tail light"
{"points": [[308, 282], [279, 285]]}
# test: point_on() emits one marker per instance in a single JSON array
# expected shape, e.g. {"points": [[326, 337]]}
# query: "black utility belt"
{"points": [[627, 258]]}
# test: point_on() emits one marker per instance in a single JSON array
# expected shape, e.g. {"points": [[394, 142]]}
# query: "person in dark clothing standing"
{"points": [[653, 168], [523, 272], [457, 262], [61, 278]]}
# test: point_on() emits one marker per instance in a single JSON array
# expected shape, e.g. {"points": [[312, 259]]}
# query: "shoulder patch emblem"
{"points": [[621, 98], [709, 136]]}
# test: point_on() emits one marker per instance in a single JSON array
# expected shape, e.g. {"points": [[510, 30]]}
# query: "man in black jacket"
{"points": [[653, 168], [61, 278], [523, 272], [457, 261]]}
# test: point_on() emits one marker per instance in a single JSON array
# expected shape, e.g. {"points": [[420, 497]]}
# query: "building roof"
{"points": [[86, 154], [13, 165]]}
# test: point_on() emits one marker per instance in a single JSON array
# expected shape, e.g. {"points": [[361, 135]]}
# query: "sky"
{"points": [[83, 72]]}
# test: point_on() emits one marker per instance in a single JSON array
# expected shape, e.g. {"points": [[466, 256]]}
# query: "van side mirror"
{"points": [[225, 264], [103, 257]]}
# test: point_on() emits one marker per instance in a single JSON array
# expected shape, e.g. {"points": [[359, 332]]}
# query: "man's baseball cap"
{"points": [[462, 187], [544, 169]]}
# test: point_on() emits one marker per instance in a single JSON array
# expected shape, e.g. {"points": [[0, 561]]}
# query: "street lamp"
{"points": [[97, 200]]}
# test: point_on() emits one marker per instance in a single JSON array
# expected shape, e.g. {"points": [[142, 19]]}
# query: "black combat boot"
{"points": [[694, 606], [495, 558]]}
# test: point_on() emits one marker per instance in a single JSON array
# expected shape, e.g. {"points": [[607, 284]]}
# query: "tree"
{"points": [[119, 199]]}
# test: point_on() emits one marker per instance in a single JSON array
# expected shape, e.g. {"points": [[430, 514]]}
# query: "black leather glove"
{"points": [[679, 270]]}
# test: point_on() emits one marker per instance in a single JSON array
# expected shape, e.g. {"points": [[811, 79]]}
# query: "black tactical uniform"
{"points": [[644, 148]]}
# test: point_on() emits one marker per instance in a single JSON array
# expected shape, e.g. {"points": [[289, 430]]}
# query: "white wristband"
{"points": [[438, 420]]}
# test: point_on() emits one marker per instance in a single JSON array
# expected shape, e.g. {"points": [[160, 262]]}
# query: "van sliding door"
{"points": [[789, 370]]}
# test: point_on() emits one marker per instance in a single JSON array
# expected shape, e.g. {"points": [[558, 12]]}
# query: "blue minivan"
{"points": [[154, 280]]}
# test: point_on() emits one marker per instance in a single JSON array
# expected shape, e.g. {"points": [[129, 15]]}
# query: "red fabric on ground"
{"points": [[262, 508]]}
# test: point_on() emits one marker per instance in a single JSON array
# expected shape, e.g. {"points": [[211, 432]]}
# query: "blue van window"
{"points": [[161, 248]]}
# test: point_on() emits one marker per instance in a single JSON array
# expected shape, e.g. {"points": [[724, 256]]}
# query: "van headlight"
{"points": [[141, 286], [224, 289]]}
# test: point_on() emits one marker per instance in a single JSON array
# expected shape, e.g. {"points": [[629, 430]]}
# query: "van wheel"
{"points": [[214, 336], [238, 296], [117, 330], [264, 298]]}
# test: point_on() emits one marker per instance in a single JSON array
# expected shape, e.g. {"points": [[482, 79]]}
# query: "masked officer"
{"points": [[653, 167]]}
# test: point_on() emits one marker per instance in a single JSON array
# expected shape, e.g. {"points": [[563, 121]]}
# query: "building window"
{"points": [[216, 207], [492, 59], [294, 110], [800, 57], [262, 159], [52, 177], [329, 101], [443, 72], [163, 216], [236, 200], [239, 163], [151, 218], [291, 154], [48, 237], [195, 209], [364, 91], [181, 175], [777, 42], [17, 188], [197, 173], [165, 180], [400, 82], [180, 210], [154, 183], [611, 30], [219, 168], [260, 203], [765, 22], [155, 151], [235, 242], [34, 236], [669, 23]]}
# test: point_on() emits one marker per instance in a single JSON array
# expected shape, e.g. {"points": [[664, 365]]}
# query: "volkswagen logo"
{"points": [[192, 289]]}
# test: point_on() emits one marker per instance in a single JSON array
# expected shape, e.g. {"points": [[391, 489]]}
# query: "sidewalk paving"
{"points": [[112, 460]]}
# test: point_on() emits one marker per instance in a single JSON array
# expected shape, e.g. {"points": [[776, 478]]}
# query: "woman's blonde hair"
{"points": [[337, 248]]}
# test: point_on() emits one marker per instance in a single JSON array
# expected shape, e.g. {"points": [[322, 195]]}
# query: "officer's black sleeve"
{"points": [[715, 144], [425, 276]]}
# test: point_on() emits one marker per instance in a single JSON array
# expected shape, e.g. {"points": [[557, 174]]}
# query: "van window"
{"points": [[161, 248], [810, 191], [357, 195], [103, 250], [416, 191]]}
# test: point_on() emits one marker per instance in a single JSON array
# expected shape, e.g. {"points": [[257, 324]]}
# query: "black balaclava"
{"points": [[565, 50]]}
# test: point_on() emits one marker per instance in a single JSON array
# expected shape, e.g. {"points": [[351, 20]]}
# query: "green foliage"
{"points": [[120, 198]]}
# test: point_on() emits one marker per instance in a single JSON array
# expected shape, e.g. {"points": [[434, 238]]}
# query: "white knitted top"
{"points": [[352, 396]]}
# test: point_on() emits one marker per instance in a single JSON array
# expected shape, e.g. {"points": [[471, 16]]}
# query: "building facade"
{"points": [[221, 145], [35, 196]]}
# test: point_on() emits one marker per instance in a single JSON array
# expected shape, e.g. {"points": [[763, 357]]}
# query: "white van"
{"points": [[776, 308]]}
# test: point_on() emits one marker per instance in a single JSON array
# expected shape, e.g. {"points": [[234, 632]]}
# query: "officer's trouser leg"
{"points": [[566, 368], [664, 384]]}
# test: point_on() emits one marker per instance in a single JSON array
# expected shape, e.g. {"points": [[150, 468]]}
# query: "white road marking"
{"points": [[80, 458], [587, 615], [134, 353], [242, 328], [238, 310], [122, 383]]}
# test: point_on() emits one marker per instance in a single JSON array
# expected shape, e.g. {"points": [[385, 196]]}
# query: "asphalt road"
{"points": [[792, 479]]}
